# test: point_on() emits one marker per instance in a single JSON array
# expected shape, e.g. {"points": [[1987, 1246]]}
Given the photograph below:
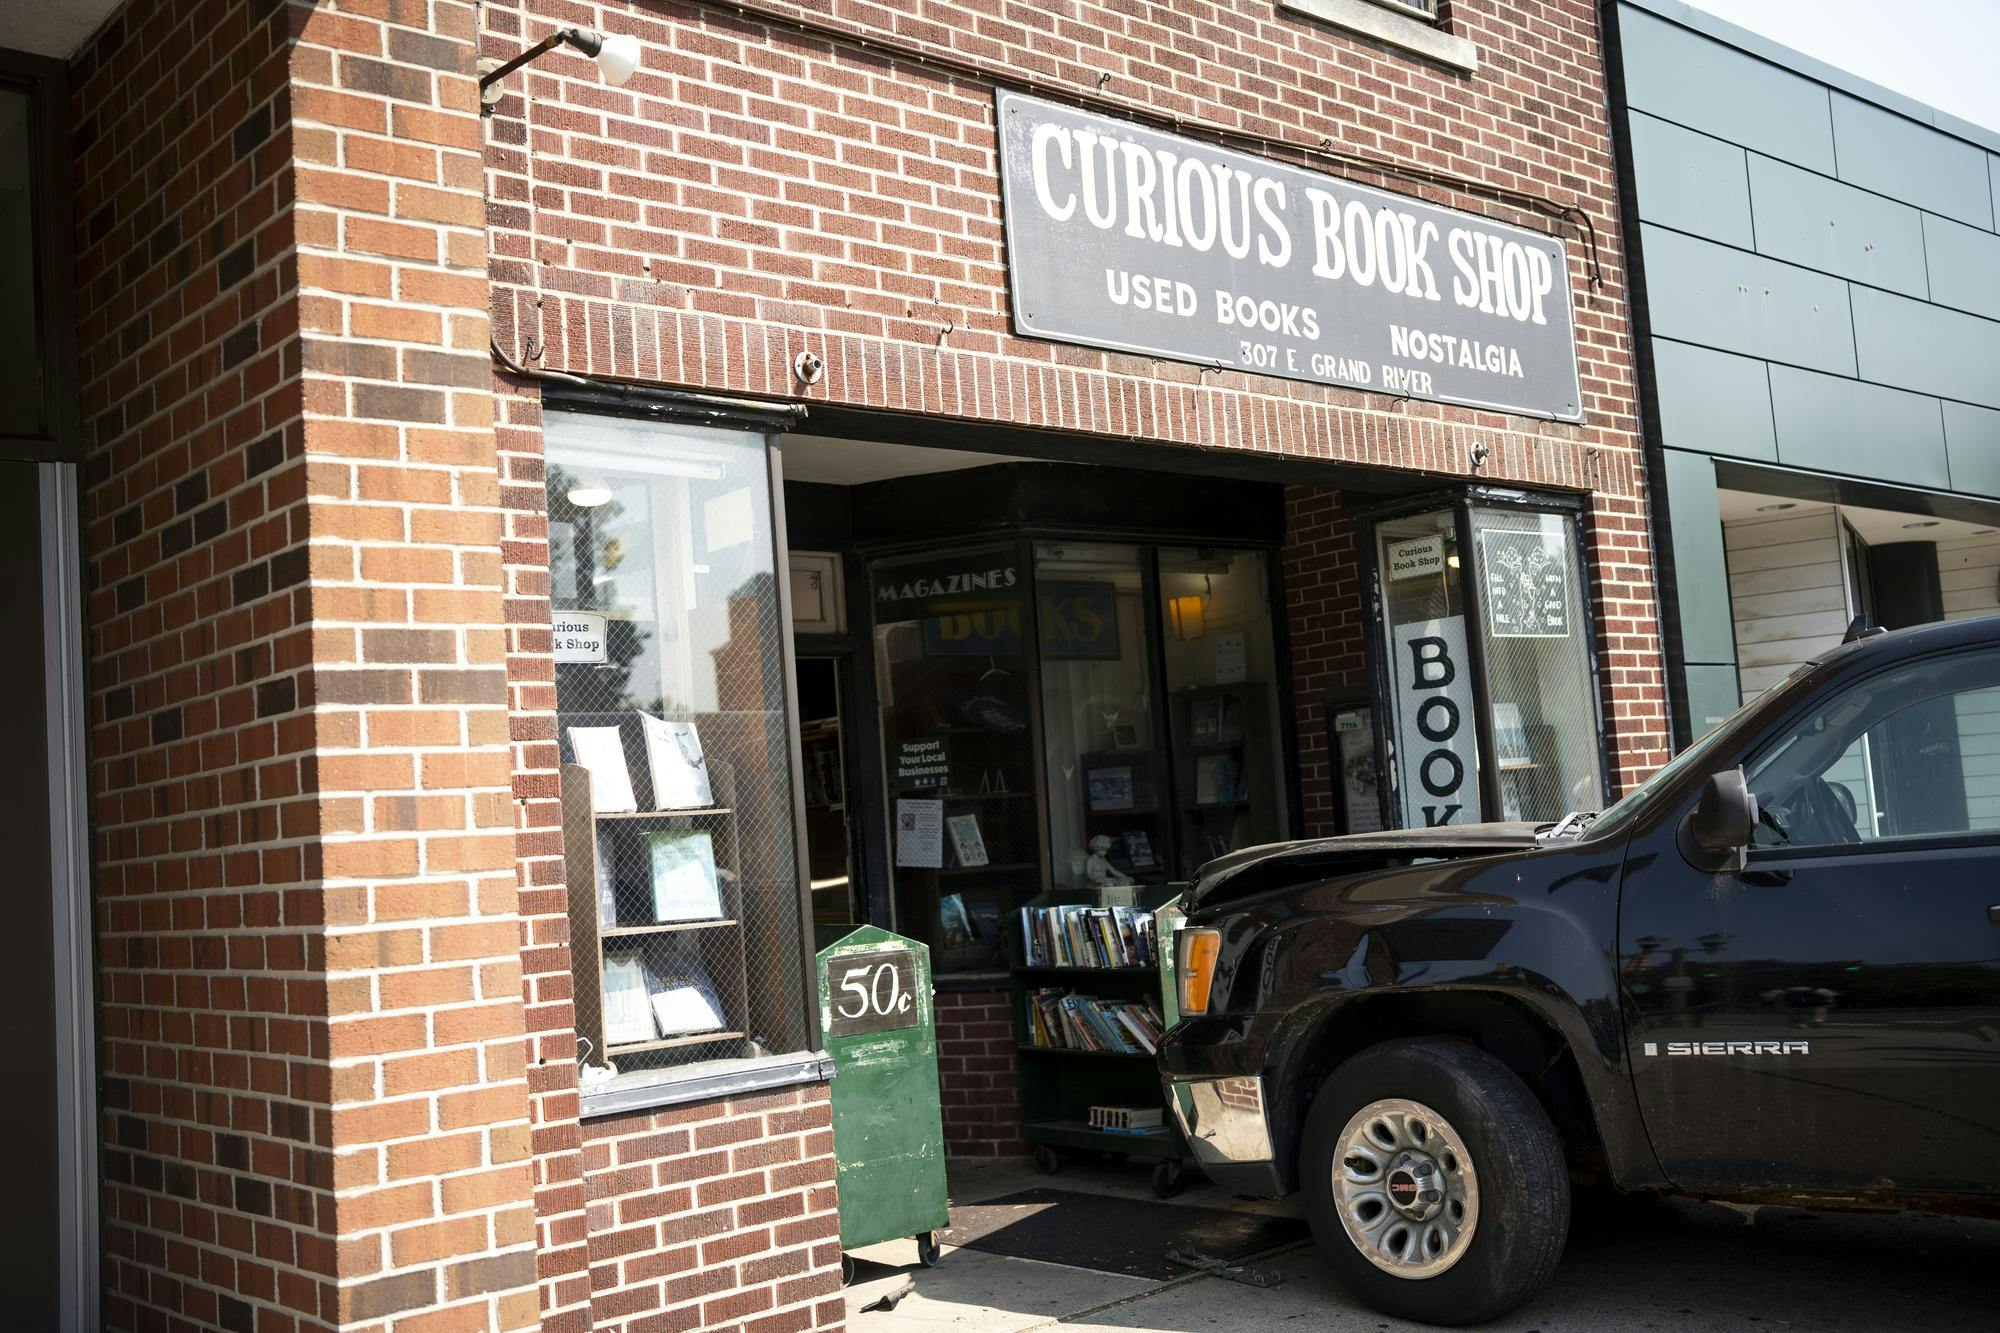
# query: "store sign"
{"points": [[1124, 237], [931, 585], [1417, 557], [870, 992], [1437, 755], [1079, 620], [580, 636], [1527, 584]]}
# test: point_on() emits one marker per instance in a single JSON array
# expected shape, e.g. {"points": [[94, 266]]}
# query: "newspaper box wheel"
{"points": [[846, 1271], [1047, 1160], [1167, 1179], [928, 1249]]}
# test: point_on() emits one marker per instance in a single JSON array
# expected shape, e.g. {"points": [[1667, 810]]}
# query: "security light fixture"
{"points": [[617, 57]]}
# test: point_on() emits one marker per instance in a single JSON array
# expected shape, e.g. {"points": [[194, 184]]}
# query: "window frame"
{"points": [[46, 83], [1776, 856], [647, 1089], [1460, 502]]}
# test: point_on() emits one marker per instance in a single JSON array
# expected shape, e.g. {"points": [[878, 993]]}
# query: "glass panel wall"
{"points": [[951, 668], [680, 830], [1222, 696], [1106, 793], [1545, 744], [1434, 728]]}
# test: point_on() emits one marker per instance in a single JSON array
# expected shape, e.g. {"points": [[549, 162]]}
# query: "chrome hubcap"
{"points": [[1405, 1187]]}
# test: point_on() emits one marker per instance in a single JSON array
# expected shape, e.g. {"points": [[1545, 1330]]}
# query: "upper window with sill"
{"points": [[1410, 25]]}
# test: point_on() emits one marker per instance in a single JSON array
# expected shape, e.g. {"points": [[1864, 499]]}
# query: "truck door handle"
{"points": [[1993, 914]]}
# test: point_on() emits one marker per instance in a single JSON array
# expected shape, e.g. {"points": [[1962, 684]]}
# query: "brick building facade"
{"points": [[321, 300]]}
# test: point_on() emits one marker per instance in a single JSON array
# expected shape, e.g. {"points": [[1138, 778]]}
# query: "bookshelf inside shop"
{"points": [[1224, 753], [631, 944], [1088, 1008]]}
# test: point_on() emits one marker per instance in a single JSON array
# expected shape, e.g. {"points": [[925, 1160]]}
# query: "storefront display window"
{"points": [[1492, 703], [1545, 746], [1430, 677], [953, 674], [1071, 716], [680, 823], [1222, 694], [1107, 794]]}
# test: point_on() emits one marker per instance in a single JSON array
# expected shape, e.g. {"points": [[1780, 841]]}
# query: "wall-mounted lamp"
{"points": [[1187, 616], [617, 57]]}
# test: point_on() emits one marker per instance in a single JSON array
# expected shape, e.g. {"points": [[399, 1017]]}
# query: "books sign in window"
{"points": [[1437, 755]]}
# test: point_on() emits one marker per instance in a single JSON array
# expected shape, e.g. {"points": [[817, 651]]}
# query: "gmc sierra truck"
{"points": [[1769, 974]]}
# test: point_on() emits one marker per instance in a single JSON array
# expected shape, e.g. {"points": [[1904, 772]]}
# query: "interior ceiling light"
{"points": [[617, 58], [589, 497], [1772, 509], [1921, 523]]}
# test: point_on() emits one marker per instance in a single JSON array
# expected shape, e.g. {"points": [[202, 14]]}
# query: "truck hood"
{"points": [[1277, 864]]}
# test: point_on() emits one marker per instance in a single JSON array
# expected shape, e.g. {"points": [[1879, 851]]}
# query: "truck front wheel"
{"points": [[1434, 1182]]}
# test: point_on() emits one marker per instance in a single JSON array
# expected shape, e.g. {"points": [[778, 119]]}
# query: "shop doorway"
{"points": [[49, 1237], [1054, 678], [823, 756]]}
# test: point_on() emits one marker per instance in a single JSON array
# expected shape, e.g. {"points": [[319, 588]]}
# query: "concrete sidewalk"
{"points": [[1675, 1265]]}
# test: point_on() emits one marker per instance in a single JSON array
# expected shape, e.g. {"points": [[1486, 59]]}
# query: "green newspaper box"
{"points": [[876, 1022]]}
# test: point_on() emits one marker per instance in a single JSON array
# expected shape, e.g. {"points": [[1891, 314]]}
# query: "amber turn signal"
{"points": [[1199, 949]]}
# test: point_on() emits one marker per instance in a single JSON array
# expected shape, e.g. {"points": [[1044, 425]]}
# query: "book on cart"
{"points": [[1081, 935], [1064, 1020]]}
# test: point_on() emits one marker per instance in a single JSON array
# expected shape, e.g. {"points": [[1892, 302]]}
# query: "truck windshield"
{"points": [[1613, 820]]}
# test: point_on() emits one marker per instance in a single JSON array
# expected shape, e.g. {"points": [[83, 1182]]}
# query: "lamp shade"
{"points": [[618, 58]]}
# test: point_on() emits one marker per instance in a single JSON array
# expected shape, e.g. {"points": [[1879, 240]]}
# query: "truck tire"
{"points": [[1434, 1182]]}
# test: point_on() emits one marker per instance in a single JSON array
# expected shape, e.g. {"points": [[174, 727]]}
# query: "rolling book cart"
{"points": [[1060, 1084]]}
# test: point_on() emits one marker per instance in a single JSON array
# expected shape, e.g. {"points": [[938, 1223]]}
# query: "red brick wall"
{"points": [[1327, 625], [217, 1148], [977, 1075], [716, 1215], [316, 1110]]}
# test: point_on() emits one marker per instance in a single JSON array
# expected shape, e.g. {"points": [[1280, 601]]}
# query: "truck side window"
{"points": [[1912, 751]]}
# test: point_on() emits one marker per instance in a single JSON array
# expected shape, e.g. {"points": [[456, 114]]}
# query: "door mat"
{"points": [[1113, 1235]]}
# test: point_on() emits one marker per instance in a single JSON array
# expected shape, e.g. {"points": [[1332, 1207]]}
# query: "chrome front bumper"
{"points": [[1222, 1119]]}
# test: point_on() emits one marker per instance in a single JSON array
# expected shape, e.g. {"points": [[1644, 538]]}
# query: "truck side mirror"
{"points": [[1719, 827]]}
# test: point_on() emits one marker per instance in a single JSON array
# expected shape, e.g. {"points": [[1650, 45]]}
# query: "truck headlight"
{"points": [[1199, 948]]}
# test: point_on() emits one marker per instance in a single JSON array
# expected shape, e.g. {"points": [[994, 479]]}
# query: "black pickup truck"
{"points": [[1770, 973]]}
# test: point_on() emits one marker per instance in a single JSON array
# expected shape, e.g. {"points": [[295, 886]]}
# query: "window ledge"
{"points": [[655, 1088], [1390, 28]]}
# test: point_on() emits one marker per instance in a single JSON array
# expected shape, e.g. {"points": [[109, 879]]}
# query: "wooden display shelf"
{"points": [[664, 927], [1077, 1050], [695, 812], [1068, 968], [667, 1043], [1082, 1134]]}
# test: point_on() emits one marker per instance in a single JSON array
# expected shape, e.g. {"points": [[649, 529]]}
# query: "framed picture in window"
{"points": [[1353, 764]]}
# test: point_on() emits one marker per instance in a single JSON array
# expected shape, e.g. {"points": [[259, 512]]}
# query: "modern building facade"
{"points": [[513, 570], [1817, 291]]}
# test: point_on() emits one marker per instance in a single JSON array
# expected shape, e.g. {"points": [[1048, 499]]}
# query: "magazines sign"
{"points": [[1130, 238], [1437, 758]]}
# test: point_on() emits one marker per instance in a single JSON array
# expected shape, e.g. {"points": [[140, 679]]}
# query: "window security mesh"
{"points": [[679, 834]]}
